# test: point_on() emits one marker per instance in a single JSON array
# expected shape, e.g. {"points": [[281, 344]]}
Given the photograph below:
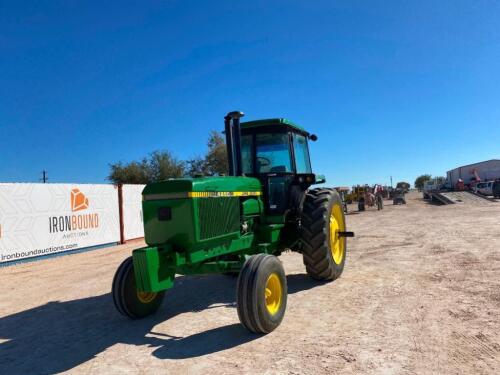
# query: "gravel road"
{"points": [[420, 294]]}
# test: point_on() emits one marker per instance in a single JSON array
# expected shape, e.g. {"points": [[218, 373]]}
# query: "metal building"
{"points": [[484, 170]]}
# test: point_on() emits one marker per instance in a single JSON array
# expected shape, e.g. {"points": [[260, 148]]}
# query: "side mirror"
{"points": [[319, 179], [313, 137]]}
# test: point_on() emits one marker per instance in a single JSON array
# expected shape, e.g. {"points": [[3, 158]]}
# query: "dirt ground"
{"points": [[420, 294]]}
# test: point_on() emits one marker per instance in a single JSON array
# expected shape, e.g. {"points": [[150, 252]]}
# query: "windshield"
{"points": [[273, 153]]}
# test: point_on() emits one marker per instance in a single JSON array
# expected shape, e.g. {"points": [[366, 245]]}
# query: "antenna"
{"points": [[45, 177]]}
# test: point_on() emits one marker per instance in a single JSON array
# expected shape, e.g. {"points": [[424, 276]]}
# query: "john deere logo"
{"points": [[78, 200], [77, 222]]}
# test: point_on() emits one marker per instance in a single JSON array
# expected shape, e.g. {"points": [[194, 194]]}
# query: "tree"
{"points": [[215, 160], [420, 181], [158, 166], [163, 165], [216, 157], [131, 173], [440, 179], [196, 167]]}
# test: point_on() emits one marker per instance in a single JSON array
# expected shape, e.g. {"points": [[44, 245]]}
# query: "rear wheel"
{"points": [[128, 300], [361, 205], [324, 250], [261, 293]]}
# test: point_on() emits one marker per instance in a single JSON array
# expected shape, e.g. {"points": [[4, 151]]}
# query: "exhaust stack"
{"points": [[233, 142]]}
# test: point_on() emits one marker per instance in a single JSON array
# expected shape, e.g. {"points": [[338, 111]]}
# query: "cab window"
{"points": [[246, 153], [302, 162], [273, 153]]}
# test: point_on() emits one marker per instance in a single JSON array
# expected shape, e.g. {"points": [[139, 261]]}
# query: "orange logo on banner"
{"points": [[78, 200]]}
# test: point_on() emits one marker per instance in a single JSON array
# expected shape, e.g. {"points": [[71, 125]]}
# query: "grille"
{"points": [[218, 216]]}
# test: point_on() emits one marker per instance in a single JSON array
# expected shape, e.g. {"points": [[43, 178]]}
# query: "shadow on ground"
{"points": [[61, 335]]}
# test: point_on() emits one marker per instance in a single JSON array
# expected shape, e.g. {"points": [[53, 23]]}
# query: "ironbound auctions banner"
{"points": [[41, 219], [133, 226]]}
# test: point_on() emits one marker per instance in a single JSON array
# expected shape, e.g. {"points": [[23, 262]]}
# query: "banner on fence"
{"points": [[41, 219], [132, 211]]}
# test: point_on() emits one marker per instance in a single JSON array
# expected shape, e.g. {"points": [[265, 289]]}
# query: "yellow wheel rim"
{"points": [[146, 297], [273, 293], [337, 244]]}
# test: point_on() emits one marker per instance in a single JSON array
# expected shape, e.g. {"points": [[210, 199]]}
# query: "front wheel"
{"points": [[324, 250], [261, 293], [128, 300]]}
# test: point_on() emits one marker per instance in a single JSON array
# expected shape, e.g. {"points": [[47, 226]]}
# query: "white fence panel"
{"points": [[40, 219], [133, 226]]}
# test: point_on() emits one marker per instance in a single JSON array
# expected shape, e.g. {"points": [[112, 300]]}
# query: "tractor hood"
{"points": [[187, 212]]}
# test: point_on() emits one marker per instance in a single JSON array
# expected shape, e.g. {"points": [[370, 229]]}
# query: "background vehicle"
{"points": [[430, 186], [398, 196], [403, 186], [372, 197], [357, 193], [484, 188], [239, 223], [496, 189]]}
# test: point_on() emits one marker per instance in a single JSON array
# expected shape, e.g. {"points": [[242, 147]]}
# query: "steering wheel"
{"points": [[263, 162]]}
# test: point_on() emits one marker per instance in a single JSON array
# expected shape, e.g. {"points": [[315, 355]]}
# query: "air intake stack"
{"points": [[233, 142]]}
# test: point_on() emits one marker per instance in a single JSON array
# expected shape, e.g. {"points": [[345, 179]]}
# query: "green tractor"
{"points": [[238, 224]]}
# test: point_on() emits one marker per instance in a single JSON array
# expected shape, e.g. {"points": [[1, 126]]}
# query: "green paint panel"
{"points": [[179, 231], [252, 207], [270, 233], [153, 273], [216, 184]]}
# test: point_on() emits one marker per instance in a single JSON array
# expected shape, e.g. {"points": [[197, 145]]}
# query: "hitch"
{"points": [[345, 234]]}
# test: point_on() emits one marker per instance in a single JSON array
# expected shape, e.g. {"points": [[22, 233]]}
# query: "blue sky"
{"points": [[390, 87]]}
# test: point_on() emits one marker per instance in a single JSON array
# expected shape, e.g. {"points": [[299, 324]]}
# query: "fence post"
{"points": [[120, 210]]}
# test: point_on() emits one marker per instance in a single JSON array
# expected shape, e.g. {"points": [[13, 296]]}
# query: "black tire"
{"points": [[316, 220], [252, 302], [127, 299], [361, 205]]}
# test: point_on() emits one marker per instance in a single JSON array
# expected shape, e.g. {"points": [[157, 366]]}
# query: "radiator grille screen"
{"points": [[218, 216]]}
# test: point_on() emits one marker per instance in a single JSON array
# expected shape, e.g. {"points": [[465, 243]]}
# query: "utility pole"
{"points": [[44, 178]]}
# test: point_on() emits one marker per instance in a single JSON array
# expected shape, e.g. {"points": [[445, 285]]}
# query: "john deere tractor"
{"points": [[238, 224]]}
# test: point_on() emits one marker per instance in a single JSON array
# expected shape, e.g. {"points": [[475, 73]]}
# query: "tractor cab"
{"points": [[276, 152]]}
